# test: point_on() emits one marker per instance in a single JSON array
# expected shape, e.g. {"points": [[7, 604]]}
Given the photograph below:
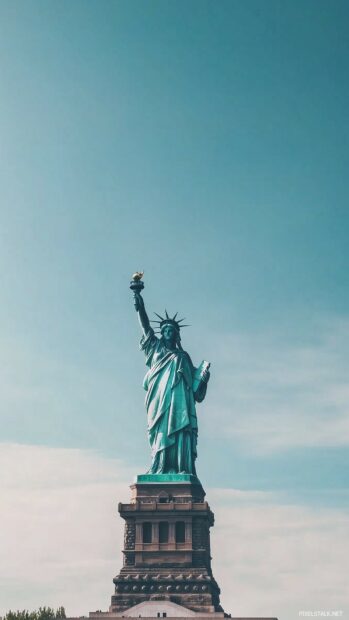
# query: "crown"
{"points": [[167, 320]]}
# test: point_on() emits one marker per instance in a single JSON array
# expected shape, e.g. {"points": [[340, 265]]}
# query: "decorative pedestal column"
{"points": [[167, 545]]}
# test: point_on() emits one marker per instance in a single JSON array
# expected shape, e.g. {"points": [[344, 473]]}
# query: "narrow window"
{"points": [[164, 615], [147, 532], [163, 532], [180, 532]]}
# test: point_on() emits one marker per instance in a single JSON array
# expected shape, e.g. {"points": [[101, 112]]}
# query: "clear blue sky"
{"points": [[206, 143]]}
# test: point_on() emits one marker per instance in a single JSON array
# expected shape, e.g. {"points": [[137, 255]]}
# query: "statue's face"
{"points": [[169, 334]]}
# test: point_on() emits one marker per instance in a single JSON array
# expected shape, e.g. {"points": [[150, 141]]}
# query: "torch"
{"points": [[136, 284]]}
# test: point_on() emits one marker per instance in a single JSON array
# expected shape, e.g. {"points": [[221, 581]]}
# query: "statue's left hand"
{"points": [[205, 375]]}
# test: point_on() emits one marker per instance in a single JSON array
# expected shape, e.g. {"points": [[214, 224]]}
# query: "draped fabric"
{"points": [[170, 404]]}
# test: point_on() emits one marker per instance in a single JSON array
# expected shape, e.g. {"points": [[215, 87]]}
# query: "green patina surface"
{"points": [[173, 386], [166, 478]]}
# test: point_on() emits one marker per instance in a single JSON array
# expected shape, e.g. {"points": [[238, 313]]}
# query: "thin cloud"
{"points": [[275, 560], [60, 533]]}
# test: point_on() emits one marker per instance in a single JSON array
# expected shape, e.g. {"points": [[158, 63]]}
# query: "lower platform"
{"points": [[160, 607], [164, 609]]}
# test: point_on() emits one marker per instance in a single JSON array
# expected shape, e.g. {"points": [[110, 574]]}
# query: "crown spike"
{"points": [[163, 321]]}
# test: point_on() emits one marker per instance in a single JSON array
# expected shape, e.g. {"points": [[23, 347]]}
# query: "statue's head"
{"points": [[170, 329], [170, 333]]}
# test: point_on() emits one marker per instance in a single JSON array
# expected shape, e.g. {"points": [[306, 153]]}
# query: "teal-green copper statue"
{"points": [[173, 386]]}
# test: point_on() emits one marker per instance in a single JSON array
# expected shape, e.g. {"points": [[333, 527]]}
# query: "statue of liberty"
{"points": [[173, 386]]}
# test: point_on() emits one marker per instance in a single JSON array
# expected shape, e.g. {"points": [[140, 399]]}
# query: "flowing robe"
{"points": [[170, 404]]}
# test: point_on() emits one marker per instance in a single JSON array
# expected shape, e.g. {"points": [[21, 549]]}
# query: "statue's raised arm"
{"points": [[173, 386], [142, 314]]}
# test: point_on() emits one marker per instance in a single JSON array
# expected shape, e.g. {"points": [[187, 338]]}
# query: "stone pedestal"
{"points": [[167, 546]]}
